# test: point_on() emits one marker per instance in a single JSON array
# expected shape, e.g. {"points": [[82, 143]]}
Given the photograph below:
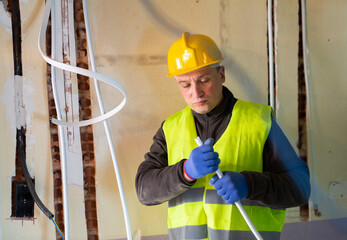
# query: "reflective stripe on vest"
{"points": [[201, 232], [240, 148]]}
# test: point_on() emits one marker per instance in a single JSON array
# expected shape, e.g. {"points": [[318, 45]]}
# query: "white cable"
{"points": [[308, 99], [61, 130], [105, 122], [237, 203], [80, 71], [103, 117], [271, 61]]}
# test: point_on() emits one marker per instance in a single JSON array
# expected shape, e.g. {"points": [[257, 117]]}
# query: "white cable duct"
{"points": [[309, 112], [61, 130], [81, 71], [96, 76], [271, 61], [237, 203], [105, 122]]}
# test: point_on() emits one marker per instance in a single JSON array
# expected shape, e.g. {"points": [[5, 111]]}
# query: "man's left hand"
{"points": [[231, 187]]}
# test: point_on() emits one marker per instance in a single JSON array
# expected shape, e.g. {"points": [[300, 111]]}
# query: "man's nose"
{"points": [[197, 91]]}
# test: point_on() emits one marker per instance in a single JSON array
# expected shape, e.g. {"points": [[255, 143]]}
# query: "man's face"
{"points": [[202, 89]]}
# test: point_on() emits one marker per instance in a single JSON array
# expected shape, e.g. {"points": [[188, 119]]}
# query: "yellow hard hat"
{"points": [[191, 52]]}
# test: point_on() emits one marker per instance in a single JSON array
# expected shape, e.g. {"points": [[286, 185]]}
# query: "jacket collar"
{"points": [[222, 109]]}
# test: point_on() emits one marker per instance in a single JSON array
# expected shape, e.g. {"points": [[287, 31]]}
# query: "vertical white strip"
{"points": [[72, 34], [58, 55], [62, 145], [66, 21], [270, 46], [74, 152]]}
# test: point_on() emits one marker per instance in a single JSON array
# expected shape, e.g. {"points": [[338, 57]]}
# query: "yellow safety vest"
{"points": [[199, 213]]}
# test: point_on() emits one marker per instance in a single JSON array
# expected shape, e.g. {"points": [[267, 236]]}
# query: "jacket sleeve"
{"points": [[285, 181], [156, 182]]}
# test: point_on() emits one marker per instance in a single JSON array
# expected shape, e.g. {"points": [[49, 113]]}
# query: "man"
{"points": [[260, 167]]}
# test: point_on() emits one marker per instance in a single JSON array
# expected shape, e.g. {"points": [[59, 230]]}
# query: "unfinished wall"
{"points": [[131, 39], [326, 24]]}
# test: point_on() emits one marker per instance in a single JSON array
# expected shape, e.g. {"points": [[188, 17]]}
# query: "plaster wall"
{"points": [[326, 60], [131, 40]]}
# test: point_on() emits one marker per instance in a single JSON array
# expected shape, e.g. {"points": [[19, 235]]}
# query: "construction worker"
{"points": [[260, 167]]}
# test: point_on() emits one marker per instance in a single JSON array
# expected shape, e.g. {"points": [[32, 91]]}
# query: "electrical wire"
{"points": [[16, 32], [29, 183], [103, 117], [57, 227], [81, 71], [105, 122], [61, 130]]}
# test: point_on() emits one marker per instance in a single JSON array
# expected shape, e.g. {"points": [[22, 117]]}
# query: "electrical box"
{"points": [[24, 201]]}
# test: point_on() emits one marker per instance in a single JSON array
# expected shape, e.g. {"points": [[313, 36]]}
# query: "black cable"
{"points": [[17, 59], [26, 174]]}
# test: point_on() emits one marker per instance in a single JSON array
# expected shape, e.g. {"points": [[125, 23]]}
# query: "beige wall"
{"points": [[327, 64], [131, 39]]}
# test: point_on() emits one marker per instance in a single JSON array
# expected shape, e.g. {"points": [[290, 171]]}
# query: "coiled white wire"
{"points": [[81, 71], [103, 117]]}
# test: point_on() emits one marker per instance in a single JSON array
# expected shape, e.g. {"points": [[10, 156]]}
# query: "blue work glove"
{"points": [[202, 160], [231, 187]]}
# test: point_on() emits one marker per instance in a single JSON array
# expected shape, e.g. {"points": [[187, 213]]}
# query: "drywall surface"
{"points": [[326, 61]]}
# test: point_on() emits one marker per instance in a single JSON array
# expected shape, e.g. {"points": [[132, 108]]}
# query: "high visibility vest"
{"points": [[199, 213]]}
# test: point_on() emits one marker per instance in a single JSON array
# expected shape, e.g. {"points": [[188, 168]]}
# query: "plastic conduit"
{"points": [[49, 8], [238, 203]]}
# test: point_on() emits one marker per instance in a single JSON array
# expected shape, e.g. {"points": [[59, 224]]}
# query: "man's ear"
{"points": [[222, 73]]}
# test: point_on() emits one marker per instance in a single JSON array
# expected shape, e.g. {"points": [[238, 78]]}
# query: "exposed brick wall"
{"points": [[87, 137], [86, 133], [55, 151]]}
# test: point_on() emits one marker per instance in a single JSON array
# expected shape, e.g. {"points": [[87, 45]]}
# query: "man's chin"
{"points": [[201, 110]]}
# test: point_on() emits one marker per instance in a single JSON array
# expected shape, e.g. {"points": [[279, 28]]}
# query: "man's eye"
{"points": [[186, 86], [205, 80]]}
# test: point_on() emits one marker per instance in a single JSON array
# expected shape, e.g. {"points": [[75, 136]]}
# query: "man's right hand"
{"points": [[202, 160]]}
